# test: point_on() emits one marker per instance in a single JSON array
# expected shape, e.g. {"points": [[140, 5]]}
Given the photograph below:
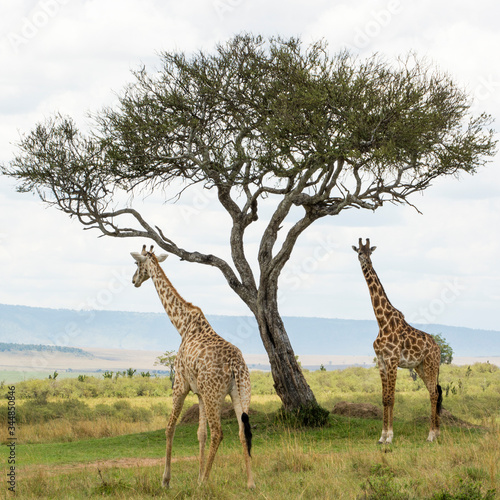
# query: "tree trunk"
{"points": [[289, 381]]}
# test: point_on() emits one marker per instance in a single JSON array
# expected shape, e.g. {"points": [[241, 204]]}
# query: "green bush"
{"points": [[467, 490], [33, 411], [306, 416]]}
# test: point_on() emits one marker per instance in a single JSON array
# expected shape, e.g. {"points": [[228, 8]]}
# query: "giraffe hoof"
{"points": [[433, 435], [165, 483]]}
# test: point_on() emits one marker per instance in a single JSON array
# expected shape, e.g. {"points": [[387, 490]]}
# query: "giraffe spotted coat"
{"points": [[205, 364], [398, 344]]}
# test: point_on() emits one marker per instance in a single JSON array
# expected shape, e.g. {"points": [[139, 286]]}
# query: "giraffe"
{"points": [[206, 364], [399, 344]]}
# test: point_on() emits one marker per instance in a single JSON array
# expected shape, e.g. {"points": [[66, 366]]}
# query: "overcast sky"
{"points": [[70, 56]]}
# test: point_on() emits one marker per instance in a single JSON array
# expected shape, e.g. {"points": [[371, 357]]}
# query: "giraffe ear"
{"points": [[355, 249], [372, 249], [138, 256], [162, 257]]}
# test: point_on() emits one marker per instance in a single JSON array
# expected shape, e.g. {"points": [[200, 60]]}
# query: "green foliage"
{"points": [[467, 490], [355, 384], [37, 411], [107, 374], [273, 108], [108, 487], [446, 350], [33, 411], [305, 416], [262, 383], [85, 386], [381, 485], [168, 359]]}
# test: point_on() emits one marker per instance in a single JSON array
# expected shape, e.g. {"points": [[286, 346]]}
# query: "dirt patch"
{"points": [[122, 463], [357, 410], [192, 415]]}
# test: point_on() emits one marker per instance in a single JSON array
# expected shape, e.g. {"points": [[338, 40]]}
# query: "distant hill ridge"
{"points": [[153, 331], [14, 347]]}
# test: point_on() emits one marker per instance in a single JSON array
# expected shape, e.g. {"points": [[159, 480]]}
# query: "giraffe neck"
{"points": [[384, 310], [178, 310]]}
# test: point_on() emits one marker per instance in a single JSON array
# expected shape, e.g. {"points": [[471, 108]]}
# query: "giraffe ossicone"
{"points": [[206, 364], [398, 344]]}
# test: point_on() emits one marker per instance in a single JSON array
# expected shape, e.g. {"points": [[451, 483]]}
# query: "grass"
{"points": [[124, 459], [340, 461]]}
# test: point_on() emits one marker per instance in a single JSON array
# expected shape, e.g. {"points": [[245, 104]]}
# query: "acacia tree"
{"points": [[315, 134], [446, 349]]}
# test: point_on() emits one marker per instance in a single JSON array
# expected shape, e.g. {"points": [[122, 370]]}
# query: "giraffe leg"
{"points": [[179, 395], [212, 410], [388, 374], [241, 407], [429, 375], [202, 434]]}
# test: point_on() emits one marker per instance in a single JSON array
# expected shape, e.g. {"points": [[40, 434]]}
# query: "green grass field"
{"points": [[80, 440]]}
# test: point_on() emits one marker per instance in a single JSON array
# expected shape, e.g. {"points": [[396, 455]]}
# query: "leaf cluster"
{"points": [[265, 113]]}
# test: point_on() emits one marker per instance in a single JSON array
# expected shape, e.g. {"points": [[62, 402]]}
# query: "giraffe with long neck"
{"points": [[400, 345], [206, 364]]}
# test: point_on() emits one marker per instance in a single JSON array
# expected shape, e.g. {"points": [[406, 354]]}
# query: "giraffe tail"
{"points": [[248, 431], [439, 405]]}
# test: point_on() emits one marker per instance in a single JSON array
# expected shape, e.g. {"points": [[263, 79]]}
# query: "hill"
{"points": [[12, 348], [153, 331]]}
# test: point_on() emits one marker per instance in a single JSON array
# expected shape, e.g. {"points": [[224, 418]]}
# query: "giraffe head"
{"points": [[364, 251], [142, 259]]}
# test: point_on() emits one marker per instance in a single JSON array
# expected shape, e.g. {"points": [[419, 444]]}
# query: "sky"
{"points": [[73, 56]]}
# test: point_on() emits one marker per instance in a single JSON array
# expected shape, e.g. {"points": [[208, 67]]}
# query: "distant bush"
{"points": [[32, 412], [35, 412], [91, 387], [457, 382], [262, 383], [10, 347]]}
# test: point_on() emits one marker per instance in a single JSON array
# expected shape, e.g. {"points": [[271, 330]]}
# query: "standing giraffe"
{"points": [[206, 364], [399, 344]]}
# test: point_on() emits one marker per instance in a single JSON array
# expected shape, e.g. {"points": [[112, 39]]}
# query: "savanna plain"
{"points": [[91, 437]]}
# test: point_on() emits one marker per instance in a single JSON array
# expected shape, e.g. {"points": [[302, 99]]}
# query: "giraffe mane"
{"points": [[164, 276]]}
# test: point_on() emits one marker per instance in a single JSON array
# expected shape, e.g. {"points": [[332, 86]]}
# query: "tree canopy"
{"points": [[446, 349]]}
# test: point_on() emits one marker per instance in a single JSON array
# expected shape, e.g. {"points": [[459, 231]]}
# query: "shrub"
{"points": [[34, 412], [306, 416], [467, 490]]}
